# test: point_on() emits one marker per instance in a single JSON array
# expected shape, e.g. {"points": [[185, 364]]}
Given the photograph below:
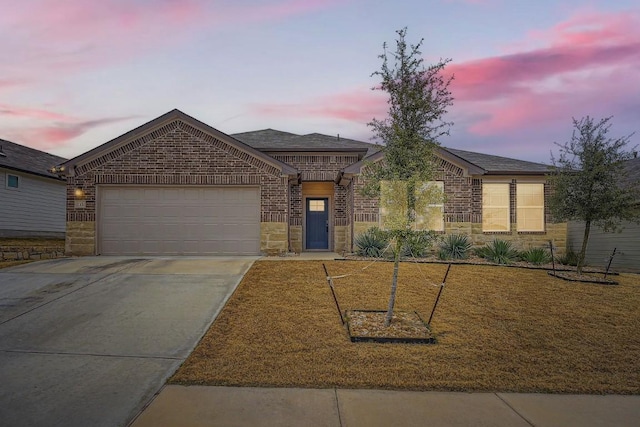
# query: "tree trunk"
{"points": [[411, 203], [583, 251], [394, 283]]}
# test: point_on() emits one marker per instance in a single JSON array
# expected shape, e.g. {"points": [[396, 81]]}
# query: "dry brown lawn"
{"points": [[498, 329]]}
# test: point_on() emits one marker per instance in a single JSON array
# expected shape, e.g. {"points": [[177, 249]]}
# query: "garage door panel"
{"points": [[147, 193], [179, 220], [170, 212]]}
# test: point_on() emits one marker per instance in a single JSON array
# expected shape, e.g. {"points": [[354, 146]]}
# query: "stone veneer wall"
{"points": [[19, 253], [273, 238], [555, 232], [340, 233], [81, 238], [175, 154], [295, 236]]}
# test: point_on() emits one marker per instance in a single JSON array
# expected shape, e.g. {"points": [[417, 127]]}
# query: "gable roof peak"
{"points": [[159, 123]]}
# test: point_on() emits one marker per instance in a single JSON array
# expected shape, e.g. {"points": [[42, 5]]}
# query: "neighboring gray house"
{"points": [[601, 244], [32, 199]]}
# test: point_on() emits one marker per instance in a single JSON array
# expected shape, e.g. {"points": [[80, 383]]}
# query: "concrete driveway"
{"points": [[89, 341]]}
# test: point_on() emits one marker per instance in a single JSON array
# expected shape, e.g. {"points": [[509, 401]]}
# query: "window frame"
{"points": [[486, 186], [541, 208], [11, 187]]}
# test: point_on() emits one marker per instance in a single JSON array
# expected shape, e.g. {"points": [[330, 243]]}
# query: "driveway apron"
{"points": [[89, 341]]}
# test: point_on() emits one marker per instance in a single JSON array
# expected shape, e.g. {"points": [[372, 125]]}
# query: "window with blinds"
{"points": [[530, 207], [495, 207]]}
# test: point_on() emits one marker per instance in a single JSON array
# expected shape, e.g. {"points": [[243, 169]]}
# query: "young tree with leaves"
{"points": [[588, 180], [418, 98]]}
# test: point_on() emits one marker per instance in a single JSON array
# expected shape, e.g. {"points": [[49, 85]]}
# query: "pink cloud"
{"points": [[51, 135], [73, 35], [32, 113], [573, 73], [50, 40], [587, 65], [582, 43], [11, 83]]}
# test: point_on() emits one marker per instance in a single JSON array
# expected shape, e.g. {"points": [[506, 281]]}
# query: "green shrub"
{"points": [[454, 246], [569, 258], [371, 243], [481, 252], [418, 244], [536, 256], [500, 252]]}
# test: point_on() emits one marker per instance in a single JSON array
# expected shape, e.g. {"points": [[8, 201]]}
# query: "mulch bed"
{"points": [[405, 327]]}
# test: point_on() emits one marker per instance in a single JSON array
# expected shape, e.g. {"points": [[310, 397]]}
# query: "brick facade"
{"points": [[463, 211], [175, 154], [178, 152]]}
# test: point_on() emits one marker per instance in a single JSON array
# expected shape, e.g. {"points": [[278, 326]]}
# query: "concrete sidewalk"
{"points": [[248, 406]]}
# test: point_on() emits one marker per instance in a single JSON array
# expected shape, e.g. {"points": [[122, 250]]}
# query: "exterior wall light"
{"points": [[79, 193]]}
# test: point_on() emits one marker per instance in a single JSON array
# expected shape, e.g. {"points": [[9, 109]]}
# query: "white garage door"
{"points": [[179, 221]]}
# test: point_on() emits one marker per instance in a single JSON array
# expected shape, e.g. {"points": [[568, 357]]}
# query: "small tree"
{"points": [[588, 180], [418, 100]]}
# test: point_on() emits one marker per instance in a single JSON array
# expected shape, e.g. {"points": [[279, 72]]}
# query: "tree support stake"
{"points": [[439, 293]]}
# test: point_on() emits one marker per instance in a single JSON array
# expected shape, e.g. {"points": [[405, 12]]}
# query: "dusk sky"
{"points": [[75, 74]]}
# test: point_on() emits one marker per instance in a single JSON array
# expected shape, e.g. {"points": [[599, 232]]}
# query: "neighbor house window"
{"points": [[495, 207], [530, 207], [393, 205], [13, 181]]}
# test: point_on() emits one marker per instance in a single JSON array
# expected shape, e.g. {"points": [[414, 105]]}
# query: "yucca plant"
{"points": [[536, 256], [500, 252], [481, 252], [417, 244], [371, 243], [454, 246]]}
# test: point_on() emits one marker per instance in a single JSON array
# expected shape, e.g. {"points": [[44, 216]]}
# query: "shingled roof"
{"points": [[499, 165], [24, 159], [271, 140]]}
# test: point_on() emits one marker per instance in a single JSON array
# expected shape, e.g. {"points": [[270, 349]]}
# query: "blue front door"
{"points": [[317, 224]]}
